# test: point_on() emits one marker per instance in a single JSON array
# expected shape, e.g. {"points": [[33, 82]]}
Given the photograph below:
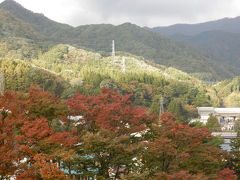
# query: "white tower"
{"points": [[161, 110], [123, 64], [2, 83], [113, 48]]}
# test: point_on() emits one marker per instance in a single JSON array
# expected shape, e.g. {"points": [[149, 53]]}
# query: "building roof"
{"points": [[227, 110], [208, 110]]}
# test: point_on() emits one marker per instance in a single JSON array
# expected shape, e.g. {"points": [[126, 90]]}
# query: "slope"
{"points": [[224, 44], [136, 40], [231, 25], [10, 26], [228, 92], [47, 28], [129, 38], [89, 71], [20, 75]]}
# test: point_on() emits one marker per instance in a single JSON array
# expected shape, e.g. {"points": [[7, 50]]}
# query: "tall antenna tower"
{"points": [[2, 88], [161, 109], [113, 48], [123, 64]]}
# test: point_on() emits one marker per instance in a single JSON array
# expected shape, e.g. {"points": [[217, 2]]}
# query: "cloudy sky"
{"points": [[141, 12]]}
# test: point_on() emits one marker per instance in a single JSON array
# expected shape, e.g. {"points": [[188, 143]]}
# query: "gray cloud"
{"points": [[141, 12], [156, 12]]}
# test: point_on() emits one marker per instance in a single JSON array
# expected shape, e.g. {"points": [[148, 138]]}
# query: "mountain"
{"points": [[65, 70], [225, 45], [45, 27], [133, 39], [128, 38], [10, 26], [219, 37], [228, 92], [231, 25]]}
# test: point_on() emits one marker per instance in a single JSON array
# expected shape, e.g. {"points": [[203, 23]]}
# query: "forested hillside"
{"points": [[77, 70], [230, 25], [12, 26], [220, 37], [44, 27], [229, 92], [20, 75], [65, 70], [128, 37]]}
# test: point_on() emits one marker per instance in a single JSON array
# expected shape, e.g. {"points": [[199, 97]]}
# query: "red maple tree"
{"points": [[28, 143]]}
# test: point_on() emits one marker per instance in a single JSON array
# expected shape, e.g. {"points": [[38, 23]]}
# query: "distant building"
{"points": [[225, 116]]}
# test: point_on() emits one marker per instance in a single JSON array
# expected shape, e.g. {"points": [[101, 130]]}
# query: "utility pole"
{"points": [[161, 109], [2, 88], [113, 48], [123, 64], [95, 58]]}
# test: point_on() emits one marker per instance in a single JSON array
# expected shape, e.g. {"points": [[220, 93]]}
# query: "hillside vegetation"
{"points": [[230, 25], [220, 37], [229, 92], [65, 70], [30, 51], [128, 37]]}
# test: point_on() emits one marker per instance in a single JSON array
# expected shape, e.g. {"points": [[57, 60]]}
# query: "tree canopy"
{"points": [[105, 136]]}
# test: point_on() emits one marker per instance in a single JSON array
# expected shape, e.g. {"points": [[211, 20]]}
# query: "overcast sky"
{"points": [[141, 12]]}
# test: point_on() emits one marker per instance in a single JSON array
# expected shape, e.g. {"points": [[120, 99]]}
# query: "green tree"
{"points": [[237, 125], [202, 99], [175, 106], [213, 124], [234, 162]]}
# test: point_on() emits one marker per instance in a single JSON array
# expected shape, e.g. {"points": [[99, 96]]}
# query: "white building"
{"points": [[225, 116]]}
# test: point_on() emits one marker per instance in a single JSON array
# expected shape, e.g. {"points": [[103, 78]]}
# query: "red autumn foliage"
{"points": [[171, 151], [36, 130], [48, 169], [111, 111], [67, 139], [25, 134], [44, 104], [11, 115], [180, 147], [226, 174]]}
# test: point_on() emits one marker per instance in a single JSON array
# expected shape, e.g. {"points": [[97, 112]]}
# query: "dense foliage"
{"points": [[213, 124], [64, 70], [100, 121], [220, 37], [42, 137], [20, 75]]}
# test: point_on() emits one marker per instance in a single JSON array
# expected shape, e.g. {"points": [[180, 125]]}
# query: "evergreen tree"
{"points": [[234, 161], [237, 125], [213, 124], [202, 99], [175, 106]]}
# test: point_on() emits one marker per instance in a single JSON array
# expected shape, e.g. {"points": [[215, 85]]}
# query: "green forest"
{"points": [[65, 70], [16, 21]]}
